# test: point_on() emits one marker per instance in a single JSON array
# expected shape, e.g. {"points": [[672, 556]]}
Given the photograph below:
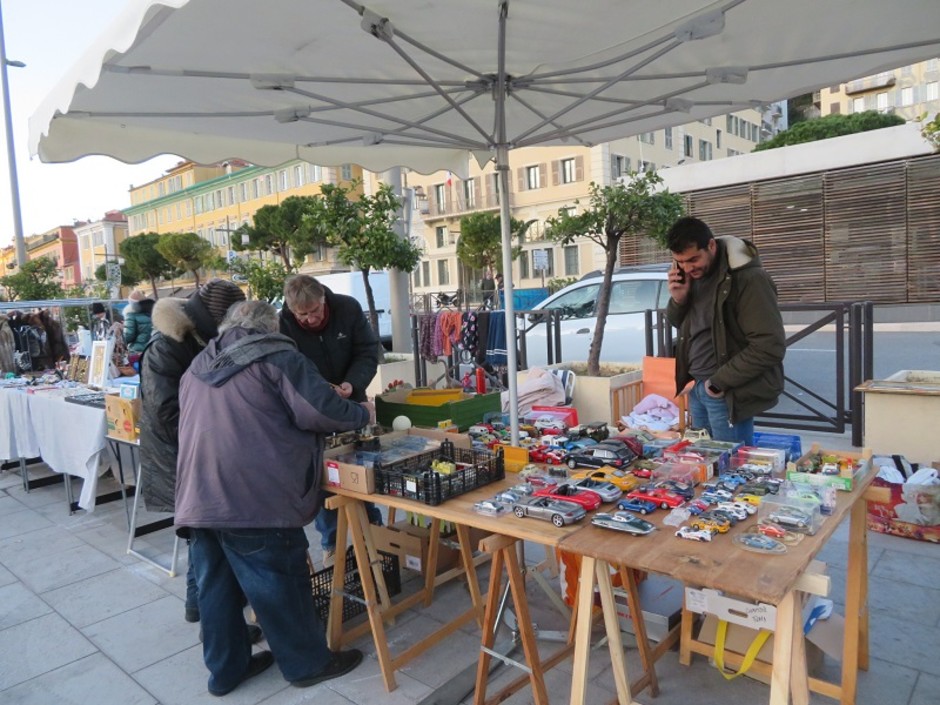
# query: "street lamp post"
{"points": [[11, 151]]}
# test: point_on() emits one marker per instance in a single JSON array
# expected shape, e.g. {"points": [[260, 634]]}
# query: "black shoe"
{"points": [[340, 664], [191, 614], [254, 633], [259, 662]]}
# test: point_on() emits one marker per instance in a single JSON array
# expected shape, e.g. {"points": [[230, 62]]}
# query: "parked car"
{"points": [[556, 511], [601, 454], [633, 291]]}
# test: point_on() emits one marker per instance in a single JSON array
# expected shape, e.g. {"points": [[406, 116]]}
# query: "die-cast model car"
{"points": [[556, 511], [686, 532], [623, 521], [608, 491], [569, 493], [642, 506], [622, 479], [662, 497]]}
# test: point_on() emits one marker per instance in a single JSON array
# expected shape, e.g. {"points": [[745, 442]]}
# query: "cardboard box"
{"points": [[411, 544], [463, 413], [920, 503], [358, 478], [844, 481], [123, 417]]}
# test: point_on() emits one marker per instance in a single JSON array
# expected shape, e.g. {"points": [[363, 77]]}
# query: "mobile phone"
{"points": [[680, 270], [713, 389]]}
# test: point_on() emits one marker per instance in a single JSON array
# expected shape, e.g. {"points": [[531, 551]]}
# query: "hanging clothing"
{"points": [[496, 353]]}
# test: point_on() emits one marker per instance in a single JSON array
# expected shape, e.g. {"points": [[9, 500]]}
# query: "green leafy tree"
{"points": [[559, 283], [129, 275], [480, 244], [265, 279], [640, 208], [187, 252], [830, 126], [931, 131], [283, 230], [141, 254], [362, 231], [36, 281]]}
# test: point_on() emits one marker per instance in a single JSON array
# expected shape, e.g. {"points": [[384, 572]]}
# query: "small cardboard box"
{"points": [[844, 481], [912, 511], [411, 544], [358, 478], [123, 417]]}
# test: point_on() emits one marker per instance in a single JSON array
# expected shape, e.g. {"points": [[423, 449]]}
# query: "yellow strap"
{"points": [[749, 657]]}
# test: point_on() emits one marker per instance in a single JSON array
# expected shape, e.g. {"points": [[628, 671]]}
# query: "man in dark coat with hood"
{"points": [[182, 327], [253, 411]]}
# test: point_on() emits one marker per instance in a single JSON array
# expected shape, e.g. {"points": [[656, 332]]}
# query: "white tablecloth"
{"points": [[71, 440], [17, 439]]}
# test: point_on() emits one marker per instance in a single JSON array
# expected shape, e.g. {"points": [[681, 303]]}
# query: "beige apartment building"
{"points": [[99, 242], [910, 91], [213, 201]]}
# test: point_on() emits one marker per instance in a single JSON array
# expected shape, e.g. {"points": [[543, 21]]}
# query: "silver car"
{"points": [[633, 291], [556, 511]]}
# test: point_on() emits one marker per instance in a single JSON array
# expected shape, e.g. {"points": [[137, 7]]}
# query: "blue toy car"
{"points": [[642, 506]]}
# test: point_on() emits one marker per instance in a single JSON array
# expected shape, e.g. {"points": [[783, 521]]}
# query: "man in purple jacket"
{"points": [[252, 413]]}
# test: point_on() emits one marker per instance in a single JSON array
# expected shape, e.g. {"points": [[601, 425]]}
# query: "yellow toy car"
{"points": [[624, 480]]}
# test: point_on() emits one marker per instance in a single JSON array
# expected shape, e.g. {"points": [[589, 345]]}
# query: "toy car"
{"points": [[623, 521], [601, 454], [637, 505], [686, 532], [752, 499], [544, 454], [664, 498], [489, 507], [522, 489], [550, 425], [734, 509], [624, 480], [717, 495], [697, 506], [556, 511], [679, 488], [508, 497], [541, 480], [709, 521], [785, 515], [569, 493], [772, 530], [573, 444], [759, 542], [608, 491]]}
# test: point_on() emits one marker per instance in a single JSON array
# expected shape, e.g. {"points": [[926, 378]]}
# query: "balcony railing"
{"points": [[430, 208]]}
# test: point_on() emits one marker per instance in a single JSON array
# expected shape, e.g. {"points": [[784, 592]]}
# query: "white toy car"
{"points": [[687, 532]]}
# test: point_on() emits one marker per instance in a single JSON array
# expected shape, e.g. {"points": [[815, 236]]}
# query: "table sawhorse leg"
{"points": [[855, 645], [134, 531]]}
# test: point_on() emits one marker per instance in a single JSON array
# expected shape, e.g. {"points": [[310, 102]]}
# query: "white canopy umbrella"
{"points": [[417, 83]]}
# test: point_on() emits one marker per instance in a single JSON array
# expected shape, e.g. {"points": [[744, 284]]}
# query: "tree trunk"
{"points": [[153, 285], [373, 314], [196, 275], [285, 257], [603, 306]]}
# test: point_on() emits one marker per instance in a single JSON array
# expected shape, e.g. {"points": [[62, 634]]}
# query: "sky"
{"points": [[49, 36]]}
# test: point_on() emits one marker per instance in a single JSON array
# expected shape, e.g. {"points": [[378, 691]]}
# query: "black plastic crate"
{"points": [[413, 477], [322, 584]]}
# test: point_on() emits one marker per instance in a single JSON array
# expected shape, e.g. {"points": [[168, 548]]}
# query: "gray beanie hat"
{"points": [[217, 295]]}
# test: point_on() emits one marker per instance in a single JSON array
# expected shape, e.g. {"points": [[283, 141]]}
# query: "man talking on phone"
{"points": [[731, 338]]}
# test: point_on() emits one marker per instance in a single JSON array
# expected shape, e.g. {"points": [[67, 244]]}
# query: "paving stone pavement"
{"points": [[81, 621]]}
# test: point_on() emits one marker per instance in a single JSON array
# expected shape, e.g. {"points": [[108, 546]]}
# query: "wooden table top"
{"points": [[459, 510], [720, 564]]}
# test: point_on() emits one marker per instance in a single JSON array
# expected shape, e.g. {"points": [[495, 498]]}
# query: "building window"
{"points": [[243, 191], [283, 183], [668, 135], [426, 272], [643, 165], [571, 261], [470, 193], [858, 105], [219, 199], [232, 196], [268, 184], [443, 272], [704, 150], [345, 172], [440, 234], [687, 143], [532, 180], [907, 96], [729, 123], [718, 139], [440, 198], [416, 277], [189, 208], [647, 137], [316, 173], [299, 175], [567, 171], [619, 165], [179, 211], [550, 262], [98, 238], [524, 265]]}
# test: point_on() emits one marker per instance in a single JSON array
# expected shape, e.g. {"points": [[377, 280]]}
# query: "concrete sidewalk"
{"points": [[83, 622]]}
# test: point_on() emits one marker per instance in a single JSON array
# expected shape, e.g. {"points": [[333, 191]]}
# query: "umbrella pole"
{"points": [[502, 171]]}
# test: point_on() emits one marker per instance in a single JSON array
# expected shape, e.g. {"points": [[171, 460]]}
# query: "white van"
{"points": [[351, 284]]}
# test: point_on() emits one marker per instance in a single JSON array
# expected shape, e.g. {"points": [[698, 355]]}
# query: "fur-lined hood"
{"points": [[178, 318]]}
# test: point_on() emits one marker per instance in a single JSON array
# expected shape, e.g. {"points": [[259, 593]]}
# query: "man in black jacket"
{"points": [[182, 328], [332, 331]]}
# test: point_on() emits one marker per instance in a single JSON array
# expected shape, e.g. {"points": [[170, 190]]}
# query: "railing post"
{"points": [[648, 331], [855, 371]]}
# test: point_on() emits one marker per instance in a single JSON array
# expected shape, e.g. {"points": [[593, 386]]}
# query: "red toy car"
{"points": [[662, 497], [569, 493], [544, 454], [541, 481]]}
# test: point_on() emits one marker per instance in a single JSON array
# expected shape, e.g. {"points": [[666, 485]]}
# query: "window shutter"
{"points": [[521, 173], [543, 175], [555, 167], [579, 168], [478, 191]]}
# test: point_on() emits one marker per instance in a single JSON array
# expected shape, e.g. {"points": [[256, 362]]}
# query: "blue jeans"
{"points": [[192, 592], [712, 414], [270, 567], [325, 523]]}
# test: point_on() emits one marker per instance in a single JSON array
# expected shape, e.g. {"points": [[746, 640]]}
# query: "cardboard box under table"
{"points": [[123, 417], [463, 412]]}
